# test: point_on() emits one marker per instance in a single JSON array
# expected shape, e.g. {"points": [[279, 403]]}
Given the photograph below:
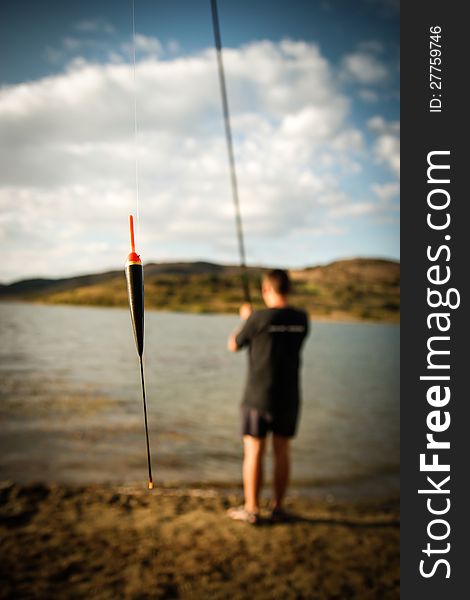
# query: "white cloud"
{"points": [[364, 68], [353, 209], [348, 139], [374, 46], [387, 145], [72, 44], [144, 44], [368, 95], [67, 176], [95, 26], [386, 191], [84, 43]]}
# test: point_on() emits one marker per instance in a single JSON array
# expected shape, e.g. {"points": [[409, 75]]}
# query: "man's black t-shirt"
{"points": [[274, 337]]}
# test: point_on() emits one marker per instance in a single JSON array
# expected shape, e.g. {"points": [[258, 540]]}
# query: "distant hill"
{"points": [[358, 288]]}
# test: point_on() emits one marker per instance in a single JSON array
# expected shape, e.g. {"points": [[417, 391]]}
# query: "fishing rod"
{"points": [[135, 292], [231, 157]]}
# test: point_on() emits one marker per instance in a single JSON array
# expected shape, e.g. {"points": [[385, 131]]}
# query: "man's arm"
{"points": [[232, 342], [246, 311]]}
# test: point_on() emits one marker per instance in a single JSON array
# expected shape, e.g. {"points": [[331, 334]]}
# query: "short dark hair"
{"points": [[279, 280]]}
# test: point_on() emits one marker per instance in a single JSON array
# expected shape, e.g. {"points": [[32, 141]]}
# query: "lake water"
{"points": [[71, 407]]}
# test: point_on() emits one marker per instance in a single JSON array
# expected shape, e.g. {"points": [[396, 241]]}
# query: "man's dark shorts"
{"points": [[259, 424]]}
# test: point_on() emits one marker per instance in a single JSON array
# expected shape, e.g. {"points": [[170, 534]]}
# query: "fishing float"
{"points": [[135, 292]]}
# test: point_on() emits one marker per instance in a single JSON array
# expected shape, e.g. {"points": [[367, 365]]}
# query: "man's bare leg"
{"points": [[281, 469], [253, 450]]}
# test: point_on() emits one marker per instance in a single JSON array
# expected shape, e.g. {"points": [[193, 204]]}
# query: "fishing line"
{"points": [[149, 462], [231, 156], [136, 130]]}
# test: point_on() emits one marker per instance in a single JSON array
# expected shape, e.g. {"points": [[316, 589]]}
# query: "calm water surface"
{"points": [[71, 408]]}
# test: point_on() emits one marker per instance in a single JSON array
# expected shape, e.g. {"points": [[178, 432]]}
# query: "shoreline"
{"points": [[63, 541], [337, 318], [383, 486]]}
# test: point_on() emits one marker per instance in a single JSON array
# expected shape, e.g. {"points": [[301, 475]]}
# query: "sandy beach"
{"points": [[109, 542]]}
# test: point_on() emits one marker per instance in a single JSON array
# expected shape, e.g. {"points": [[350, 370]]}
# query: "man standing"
{"points": [[274, 337]]}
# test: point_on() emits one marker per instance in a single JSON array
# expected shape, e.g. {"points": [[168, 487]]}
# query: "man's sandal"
{"points": [[241, 514]]}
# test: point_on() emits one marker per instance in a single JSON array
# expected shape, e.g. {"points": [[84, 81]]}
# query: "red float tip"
{"points": [[133, 257], [131, 228]]}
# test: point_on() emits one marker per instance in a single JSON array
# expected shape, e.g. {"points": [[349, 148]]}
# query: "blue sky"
{"points": [[314, 96]]}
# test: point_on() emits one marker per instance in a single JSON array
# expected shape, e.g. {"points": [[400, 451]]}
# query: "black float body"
{"points": [[135, 290]]}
